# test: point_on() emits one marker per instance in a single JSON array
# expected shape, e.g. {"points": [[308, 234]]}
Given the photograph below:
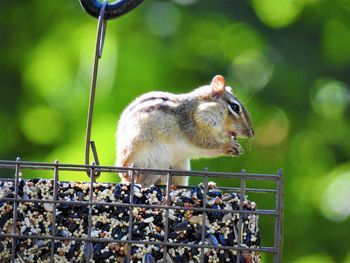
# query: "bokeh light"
{"points": [[277, 14], [335, 204], [330, 98], [252, 70], [239, 38], [163, 19], [50, 72], [54, 74], [274, 129], [42, 125]]}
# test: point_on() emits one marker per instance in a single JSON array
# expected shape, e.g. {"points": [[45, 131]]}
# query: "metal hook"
{"points": [[113, 10], [103, 11], [101, 30]]}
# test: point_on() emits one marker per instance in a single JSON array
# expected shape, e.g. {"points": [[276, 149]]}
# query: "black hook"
{"points": [[113, 10]]}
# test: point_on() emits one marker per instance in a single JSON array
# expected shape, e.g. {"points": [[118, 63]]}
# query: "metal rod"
{"points": [[109, 240], [103, 35], [114, 169], [239, 236], [233, 189], [130, 227], [199, 209], [102, 23], [168, 204], [91, 194], [278, 220], [54, 211], [204, 214], [15, 206], [96, 160]]}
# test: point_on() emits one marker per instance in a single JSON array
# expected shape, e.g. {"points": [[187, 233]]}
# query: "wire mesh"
{"points": [[166, 245]]}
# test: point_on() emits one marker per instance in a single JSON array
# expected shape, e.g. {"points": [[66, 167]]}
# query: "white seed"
{"points": [[48, 207], [148, 220], [27, 221]]}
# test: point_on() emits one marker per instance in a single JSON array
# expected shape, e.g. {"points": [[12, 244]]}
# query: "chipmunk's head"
{"points": [[238, 123]]}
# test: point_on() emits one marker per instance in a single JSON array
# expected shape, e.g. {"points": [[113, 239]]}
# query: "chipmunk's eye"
{"points": [[235, 107]]}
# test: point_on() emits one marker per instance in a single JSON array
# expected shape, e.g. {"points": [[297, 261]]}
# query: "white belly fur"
{"points": [[164, 156]]}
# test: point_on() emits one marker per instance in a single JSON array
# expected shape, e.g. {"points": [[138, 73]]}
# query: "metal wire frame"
{"points": [[277, 212]]}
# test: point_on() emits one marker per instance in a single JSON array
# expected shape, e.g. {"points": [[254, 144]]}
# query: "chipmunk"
{"points": [[162, 130]]}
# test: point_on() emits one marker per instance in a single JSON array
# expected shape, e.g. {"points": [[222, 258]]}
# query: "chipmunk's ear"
{"points": [[218, 86]]}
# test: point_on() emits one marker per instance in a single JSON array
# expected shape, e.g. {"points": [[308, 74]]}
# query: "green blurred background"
{"points": [[289, 61]]}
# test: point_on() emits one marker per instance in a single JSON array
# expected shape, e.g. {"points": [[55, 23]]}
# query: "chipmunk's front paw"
{"points": [[234, 148]]}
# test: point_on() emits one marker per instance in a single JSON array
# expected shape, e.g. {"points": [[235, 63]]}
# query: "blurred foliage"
{"points": [[289, 61]]}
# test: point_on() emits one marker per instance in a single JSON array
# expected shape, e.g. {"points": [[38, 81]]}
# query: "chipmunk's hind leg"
{"points": [[181, 180], [126, 158]]}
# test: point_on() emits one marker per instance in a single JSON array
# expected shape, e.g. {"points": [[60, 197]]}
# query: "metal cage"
{"points": [[241, 178]]}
